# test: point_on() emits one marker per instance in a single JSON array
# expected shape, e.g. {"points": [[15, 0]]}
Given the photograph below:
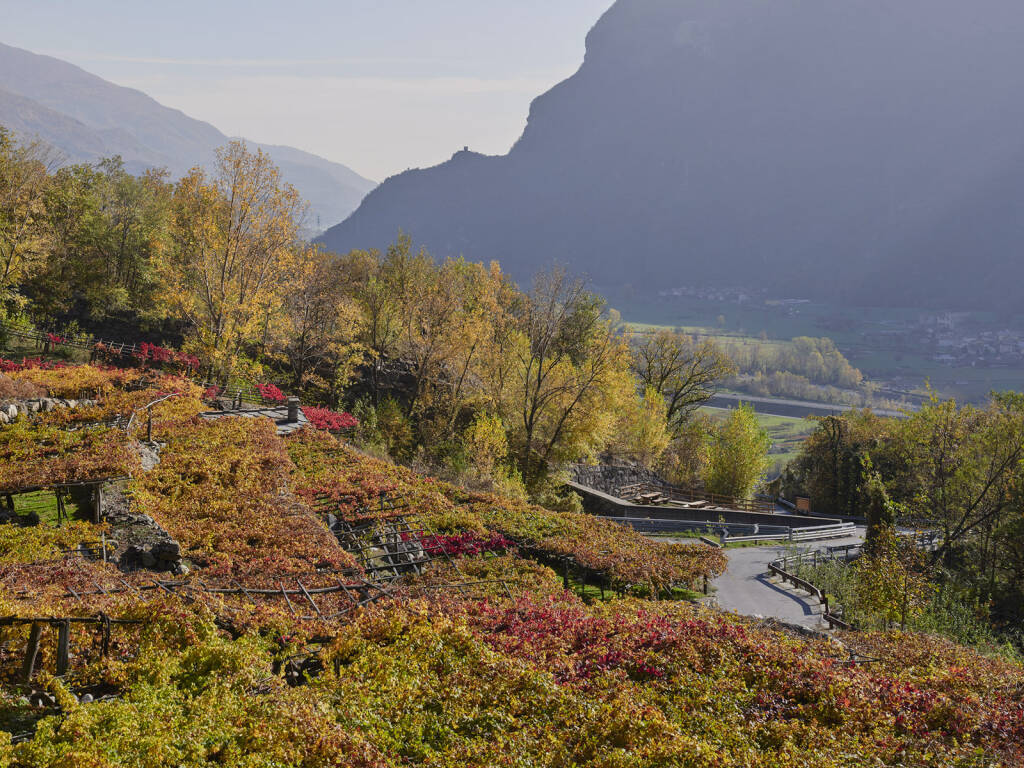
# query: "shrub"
{"points": [[270, 393], [328, 420], [17, 389]]}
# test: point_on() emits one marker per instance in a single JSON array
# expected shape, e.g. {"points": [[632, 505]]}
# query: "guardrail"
{"points": [[781, 568], [810, 533], [730, 530], [819, 532]]}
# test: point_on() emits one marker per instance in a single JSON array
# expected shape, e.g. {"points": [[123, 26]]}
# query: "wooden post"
{"points": [[63, 647], [149, 425], [31, 651], [97, 505], [106, 635]]}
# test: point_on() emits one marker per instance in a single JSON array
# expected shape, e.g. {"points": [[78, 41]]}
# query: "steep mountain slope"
{"points": [[86, 117], [817, 146]]}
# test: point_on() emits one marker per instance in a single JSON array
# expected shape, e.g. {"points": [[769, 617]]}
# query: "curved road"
{"points": [[746, 587]]}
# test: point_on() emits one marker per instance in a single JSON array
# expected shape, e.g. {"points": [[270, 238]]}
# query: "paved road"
{"points": [[746, 587]]}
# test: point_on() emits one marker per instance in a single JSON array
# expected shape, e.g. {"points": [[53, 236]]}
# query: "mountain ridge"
{"points": [[86, 117], [811, 147]]}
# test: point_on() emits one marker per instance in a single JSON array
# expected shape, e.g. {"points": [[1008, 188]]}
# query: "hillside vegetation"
{"points": [[507, 668]]}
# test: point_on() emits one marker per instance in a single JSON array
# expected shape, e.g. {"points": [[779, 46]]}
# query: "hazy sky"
{"points": [[379, 85]]}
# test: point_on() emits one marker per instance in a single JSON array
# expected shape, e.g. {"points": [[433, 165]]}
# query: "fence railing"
{"points": [[91, 344], [783, 568], [812, 533]]}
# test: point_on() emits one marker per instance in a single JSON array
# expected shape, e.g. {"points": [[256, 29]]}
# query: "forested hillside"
{"points": [[860, 152]]}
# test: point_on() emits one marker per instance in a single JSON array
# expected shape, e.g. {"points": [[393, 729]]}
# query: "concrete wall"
{"points": [[598, 503]]}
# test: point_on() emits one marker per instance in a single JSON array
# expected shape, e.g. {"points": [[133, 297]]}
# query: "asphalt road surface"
{"points": [[746, 587]]}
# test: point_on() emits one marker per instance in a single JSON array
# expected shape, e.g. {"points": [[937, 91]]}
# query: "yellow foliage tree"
{"points": [[24, 232], [642, 433], [235, 236], [563, 377]]}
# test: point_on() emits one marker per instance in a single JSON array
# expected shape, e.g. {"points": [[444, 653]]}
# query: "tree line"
{"points": [[445, 362], [955, 470]]}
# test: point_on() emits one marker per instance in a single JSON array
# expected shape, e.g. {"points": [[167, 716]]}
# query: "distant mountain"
{"points": [[86, 117], [869, 151]]}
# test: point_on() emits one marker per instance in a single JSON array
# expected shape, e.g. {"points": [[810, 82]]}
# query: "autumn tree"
{"points": [[682, 369], [738, 454], [24, 231], [958, 467], [830, 467], [685, 460], [109, 231], [380, 329], [568, 372], [891, 584], [235, 236], [641, 431], [317, 332]]}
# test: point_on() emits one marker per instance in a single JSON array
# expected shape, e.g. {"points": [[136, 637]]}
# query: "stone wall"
{"points": [[608, 478], [12, 410]]}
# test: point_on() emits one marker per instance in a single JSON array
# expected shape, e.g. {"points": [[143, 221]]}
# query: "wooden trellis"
{"points": [[95, 488], [386, 540], [301, 600]]}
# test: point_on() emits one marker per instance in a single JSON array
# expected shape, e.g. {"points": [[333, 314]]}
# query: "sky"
{"points": [[378, 85]]}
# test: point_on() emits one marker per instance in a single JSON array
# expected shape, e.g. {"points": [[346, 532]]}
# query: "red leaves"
{"points": [[328, 420], [147, 352], [466, 544], [30, 363], [271, 393]]}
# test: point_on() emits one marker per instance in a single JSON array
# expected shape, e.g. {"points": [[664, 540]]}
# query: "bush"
{"points": [[16, 389]]}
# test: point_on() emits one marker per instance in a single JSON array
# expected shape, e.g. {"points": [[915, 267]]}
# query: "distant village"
{"points": [[954, 339], [951, 338]]}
